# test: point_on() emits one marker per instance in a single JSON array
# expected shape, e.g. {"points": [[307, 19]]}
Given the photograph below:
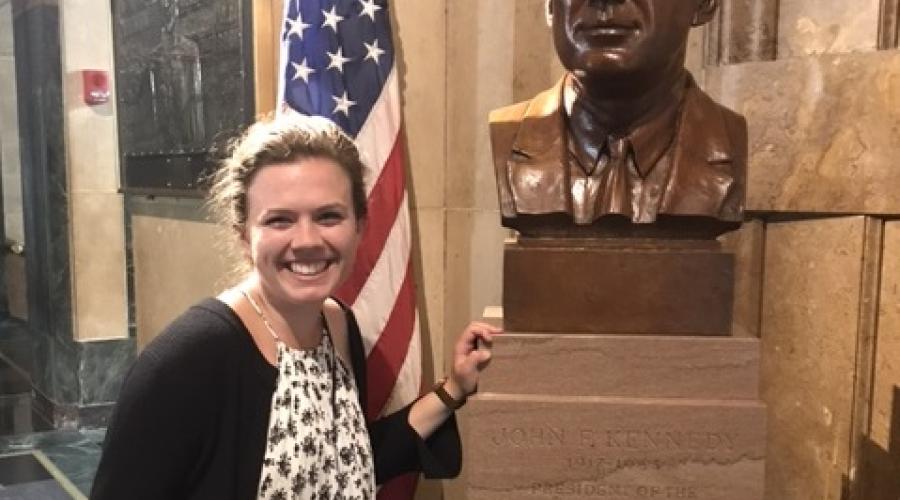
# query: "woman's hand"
{"points": [[470, 356]]}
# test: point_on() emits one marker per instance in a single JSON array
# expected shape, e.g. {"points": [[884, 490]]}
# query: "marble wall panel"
{"points": [[822, 131], [99, 302], [480, 60], [166, 251], [44, 175], [814, 26], [102, 369], [810, 308], [54, 372], [16, 286], [421, 41], [881, 475]]}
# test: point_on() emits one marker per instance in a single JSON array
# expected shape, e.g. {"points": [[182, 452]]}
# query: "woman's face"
{"points": [[301, 232]]}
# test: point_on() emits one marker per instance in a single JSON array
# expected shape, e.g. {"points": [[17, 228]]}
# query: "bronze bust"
{"points": [[626, 139]]}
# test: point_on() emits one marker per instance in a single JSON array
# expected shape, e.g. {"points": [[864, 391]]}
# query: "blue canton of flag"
{"points": [[339, 56]]}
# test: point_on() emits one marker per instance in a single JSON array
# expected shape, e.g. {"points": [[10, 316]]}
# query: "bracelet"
{"points": [[446, 398]]}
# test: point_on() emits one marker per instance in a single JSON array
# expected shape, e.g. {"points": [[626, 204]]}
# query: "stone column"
{"points": [[747, 31], [888, 29]]}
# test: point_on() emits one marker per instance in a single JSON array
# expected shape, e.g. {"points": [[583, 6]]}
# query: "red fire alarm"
{"points": [[96, 86]]}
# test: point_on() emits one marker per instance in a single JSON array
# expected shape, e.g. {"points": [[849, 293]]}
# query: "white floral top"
{"points": [[318, 447]]}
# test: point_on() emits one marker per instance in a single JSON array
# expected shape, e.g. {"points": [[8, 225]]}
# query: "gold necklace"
{"points": [[270, 328], [332, 362], [261, 315]]}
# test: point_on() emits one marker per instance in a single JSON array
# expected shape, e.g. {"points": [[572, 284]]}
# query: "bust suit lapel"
{"points": [[530, 156], [703, 164]]}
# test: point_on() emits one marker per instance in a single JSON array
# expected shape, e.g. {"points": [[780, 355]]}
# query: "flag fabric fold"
{"points": [[337, 61]]}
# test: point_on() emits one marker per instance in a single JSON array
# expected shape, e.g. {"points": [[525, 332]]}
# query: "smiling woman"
{"points": [[259, 392], [301, 231]]}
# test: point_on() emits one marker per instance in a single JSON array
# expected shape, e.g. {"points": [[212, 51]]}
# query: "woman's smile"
{"points": [[309, 269]]}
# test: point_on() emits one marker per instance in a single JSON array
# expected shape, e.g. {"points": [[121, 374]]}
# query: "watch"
{"points": [[449, 402]]}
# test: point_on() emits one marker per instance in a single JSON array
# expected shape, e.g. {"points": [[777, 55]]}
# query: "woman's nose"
{"points": [[305, 234]]}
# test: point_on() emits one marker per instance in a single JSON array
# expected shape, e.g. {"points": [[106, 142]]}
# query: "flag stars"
{"points": [[332, 19], [373, 52], [302, 71], [338, 60], [343, 104], [369, 8], [296, 27]]}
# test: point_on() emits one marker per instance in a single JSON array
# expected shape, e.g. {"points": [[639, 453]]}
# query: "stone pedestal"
{"points": [[617, 378], [617, 417]]}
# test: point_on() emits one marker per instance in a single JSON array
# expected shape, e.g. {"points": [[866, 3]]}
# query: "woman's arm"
{"points": [[423, 436], [146, 454], [470, 356]]}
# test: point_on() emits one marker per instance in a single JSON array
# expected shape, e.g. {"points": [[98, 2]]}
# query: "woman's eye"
{"points": [[277, 222], [331, 217]]}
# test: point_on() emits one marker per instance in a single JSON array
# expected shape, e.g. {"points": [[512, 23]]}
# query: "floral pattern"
{"points": [[318, 447]]}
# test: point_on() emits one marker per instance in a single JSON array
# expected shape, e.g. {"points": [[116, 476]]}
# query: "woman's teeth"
{"points": [[308, 268]]}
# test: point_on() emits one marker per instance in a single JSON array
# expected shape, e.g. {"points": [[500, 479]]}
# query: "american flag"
{"points": [[337, 61]]}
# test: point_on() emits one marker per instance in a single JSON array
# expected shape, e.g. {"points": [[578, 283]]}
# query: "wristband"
{"points": [[446, 398]]}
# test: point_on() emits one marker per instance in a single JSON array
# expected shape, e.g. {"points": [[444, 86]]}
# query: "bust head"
{"points": [[625, 40]]}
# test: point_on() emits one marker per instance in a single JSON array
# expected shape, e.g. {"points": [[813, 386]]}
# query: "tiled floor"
{"points": [[49, 465], [37, 463], [29, 475]]}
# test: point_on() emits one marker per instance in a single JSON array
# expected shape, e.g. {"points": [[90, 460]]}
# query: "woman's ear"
{"points": [[548, 12], [705, 12], [244, 239]]}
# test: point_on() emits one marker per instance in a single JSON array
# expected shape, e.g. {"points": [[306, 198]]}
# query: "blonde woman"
{"points": [[258, 393]]}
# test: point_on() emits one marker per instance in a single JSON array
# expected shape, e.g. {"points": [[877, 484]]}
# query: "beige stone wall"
{"points": [[420, 42], [807, 27], [179, 259], [97, 235], [823, 125], [810, 313]]}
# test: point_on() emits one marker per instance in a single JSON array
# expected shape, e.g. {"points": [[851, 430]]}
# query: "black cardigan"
{"points": [[192, 418]]}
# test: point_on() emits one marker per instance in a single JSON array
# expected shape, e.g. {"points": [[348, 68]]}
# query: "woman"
{"points": [[259, 392]]}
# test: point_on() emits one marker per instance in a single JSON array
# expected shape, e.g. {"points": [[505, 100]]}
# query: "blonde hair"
{"points": [[278, 140]]}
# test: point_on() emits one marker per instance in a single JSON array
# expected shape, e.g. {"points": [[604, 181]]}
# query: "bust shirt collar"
{"points": [[650, 139]]}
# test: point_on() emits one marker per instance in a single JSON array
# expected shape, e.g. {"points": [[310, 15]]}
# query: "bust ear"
{"points": [[705, 12]]}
